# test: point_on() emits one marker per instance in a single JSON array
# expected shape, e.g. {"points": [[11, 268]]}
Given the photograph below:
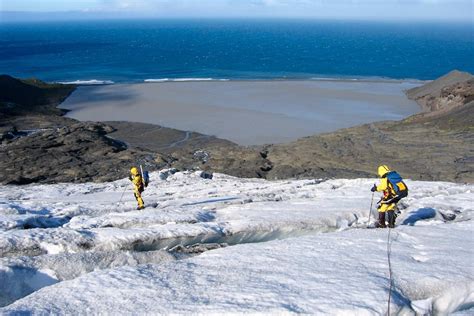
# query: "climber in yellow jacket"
{"points": [[394, 189], [138, 186]]}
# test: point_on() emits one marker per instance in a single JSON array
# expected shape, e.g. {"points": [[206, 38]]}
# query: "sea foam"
{"points": [[88, 82], [183, 79]]}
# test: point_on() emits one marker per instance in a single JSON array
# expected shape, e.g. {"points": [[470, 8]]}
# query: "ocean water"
{"points": [[159, 50]]}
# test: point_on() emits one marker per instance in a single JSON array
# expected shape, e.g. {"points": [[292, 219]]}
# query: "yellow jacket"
{"points": [[386, 188], [137, 182]]}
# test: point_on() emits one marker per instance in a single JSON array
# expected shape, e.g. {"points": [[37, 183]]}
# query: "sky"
{"points": [[453, 10]]}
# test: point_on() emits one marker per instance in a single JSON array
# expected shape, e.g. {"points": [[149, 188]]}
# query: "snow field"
{"points": [[116, 261]]}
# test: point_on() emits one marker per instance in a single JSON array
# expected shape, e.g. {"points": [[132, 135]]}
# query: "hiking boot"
{"points": [[140, 208]]}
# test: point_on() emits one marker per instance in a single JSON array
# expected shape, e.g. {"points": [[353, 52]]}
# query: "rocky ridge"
{"points": [[451, 90], [73, 153], [31, 96]]}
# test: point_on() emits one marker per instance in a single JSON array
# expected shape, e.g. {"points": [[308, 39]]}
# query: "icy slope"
{"points": [[190, 209], [44, 229], [328, 273]]}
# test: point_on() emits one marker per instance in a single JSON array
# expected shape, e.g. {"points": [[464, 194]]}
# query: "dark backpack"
{"points": [[146, 178]]}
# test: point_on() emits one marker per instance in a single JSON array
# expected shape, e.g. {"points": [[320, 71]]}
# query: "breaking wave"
{"points": [[183, 79], [91, 82]]}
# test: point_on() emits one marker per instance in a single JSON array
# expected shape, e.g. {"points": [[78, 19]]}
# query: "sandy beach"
{"points": [[246, 112]]}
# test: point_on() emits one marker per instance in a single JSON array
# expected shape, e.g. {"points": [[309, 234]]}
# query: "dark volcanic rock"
{"points": [[74, 153], [20, 97], [192, 151], [206, 175]]}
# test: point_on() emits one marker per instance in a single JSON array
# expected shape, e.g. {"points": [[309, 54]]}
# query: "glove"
{"points": [[374, 188], [130, 178]]}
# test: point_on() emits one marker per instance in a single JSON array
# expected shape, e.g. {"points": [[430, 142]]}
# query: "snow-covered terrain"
{"points": [[231, 245]]}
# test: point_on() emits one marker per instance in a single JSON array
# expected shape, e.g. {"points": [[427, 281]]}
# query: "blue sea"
{"points": [[138, 50]]}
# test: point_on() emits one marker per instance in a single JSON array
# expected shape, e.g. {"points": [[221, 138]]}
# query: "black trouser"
{"points": [[390, 219]]}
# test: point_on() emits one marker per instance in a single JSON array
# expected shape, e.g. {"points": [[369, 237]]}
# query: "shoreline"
{"points": [[311, 78], [246, 112], [94, 82]]}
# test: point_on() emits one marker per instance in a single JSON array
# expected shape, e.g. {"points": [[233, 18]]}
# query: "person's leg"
{"points": [[391, 214], [382, 211], [139, 199], [381, 222], [391, 219]]}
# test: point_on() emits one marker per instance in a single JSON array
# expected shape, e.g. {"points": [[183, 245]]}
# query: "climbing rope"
{"points": [[389, 253]]}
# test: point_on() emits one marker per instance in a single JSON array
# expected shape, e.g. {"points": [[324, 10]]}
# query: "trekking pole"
{"points": [[370, 210], [122, 195], [141, 173]]}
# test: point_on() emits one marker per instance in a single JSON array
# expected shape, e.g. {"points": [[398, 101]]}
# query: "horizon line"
{"points": [[37, 16]]}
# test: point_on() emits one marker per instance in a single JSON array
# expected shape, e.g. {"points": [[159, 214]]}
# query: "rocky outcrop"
{"points": [[443, 94], [32, 96], [77, 152]]}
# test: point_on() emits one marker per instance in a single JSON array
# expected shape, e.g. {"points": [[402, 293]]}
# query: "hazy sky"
{"points": [[460, 10]]}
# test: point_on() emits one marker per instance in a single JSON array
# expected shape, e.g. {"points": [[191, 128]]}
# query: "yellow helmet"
{"points": [[134, 171], [383, 170]]}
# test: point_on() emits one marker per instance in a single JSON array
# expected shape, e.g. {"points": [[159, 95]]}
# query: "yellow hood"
{"points": [[383, 170], [134, 171]]}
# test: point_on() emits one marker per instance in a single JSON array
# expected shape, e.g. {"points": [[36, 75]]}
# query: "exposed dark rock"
{"points": [[164, 174], [206, 175], [78, 152], [30, 96]]}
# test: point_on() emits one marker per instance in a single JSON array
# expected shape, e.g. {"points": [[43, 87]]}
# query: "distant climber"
{"points": [[138, 186], [394, 189]]}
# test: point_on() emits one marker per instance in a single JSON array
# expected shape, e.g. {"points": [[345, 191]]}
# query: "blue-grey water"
{"points": [[246, 112], [132, 51]]}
